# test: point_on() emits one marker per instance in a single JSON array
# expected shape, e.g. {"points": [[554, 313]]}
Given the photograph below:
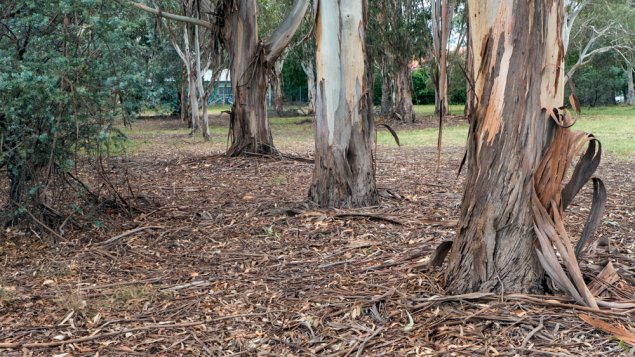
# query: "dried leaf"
{"points": [[411, 323]]}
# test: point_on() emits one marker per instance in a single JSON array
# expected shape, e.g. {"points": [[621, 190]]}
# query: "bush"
{"points": [[76, 69]]}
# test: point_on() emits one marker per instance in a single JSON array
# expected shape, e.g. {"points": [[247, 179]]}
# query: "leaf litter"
{"points": [[225, 256]]}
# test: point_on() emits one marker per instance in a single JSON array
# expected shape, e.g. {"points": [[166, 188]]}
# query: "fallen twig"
{"points": [[363, 345], [130, 232], [532, 333], [14, 345], [372, 217]]}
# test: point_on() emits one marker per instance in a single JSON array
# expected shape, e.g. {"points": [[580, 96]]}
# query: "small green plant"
{"points": [[278, 180], [130, 294], [269, 231], [6, 296], [72, 301]]}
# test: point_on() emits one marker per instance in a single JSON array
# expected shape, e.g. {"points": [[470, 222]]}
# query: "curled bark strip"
{"points": [[597, 209], [392, 132], [583, 171], [550, 200], [440, 253]]}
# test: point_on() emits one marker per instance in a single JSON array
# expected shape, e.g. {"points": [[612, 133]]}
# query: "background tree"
{"points": [[601, 80], [234, 24], [442, 12], [269, 15], [397, 36], [343, 175], [597, 27]]}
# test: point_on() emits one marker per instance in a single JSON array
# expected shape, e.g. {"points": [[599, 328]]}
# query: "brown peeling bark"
{"points": [[251, 58], [249, 127], [517, 49], [403, 93]]}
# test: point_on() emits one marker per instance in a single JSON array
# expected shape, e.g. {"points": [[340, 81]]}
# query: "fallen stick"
{"points": [[125, 234], [372, 217], [363, 345], [14, 345]]}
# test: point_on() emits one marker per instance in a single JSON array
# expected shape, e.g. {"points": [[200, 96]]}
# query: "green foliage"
{"points": [[422, 87], [457, 84], [294, 82], [68, 69], [599, 82]]}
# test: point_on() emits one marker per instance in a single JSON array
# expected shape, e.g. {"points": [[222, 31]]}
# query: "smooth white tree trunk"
{"points": [[343, 175], [309, 69]]}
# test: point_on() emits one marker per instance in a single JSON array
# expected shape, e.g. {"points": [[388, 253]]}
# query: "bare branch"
{"points": [[167, 15], [281, 37]]}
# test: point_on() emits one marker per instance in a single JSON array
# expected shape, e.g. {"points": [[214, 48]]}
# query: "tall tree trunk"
{"points": [[441, 26], [184, 114], [630, 97], [403, 93], [193, 101], [470, 99], [518, 62], [249, 127], [386, 92], [309, 69], [278, 95], [200, 73], [250, 130], [343, 175]]}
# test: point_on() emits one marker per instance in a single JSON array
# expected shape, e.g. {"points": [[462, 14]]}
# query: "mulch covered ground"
{"points": [[225, 256]]}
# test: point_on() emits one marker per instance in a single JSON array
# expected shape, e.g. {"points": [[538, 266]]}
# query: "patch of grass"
{"points": [[613, 126], [6, 296], [130, 295], [428, 109], [72, 301], [278, 180], [452, 136]]}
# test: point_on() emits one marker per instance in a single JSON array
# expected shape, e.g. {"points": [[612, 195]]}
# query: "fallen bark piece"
{"points": [[607, 277], [617, 331]]}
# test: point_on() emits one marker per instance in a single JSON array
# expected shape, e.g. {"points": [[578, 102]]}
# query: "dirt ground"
{"points": [[225, 257]]}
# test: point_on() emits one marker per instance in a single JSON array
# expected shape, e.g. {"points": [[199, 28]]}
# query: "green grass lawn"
{"points": [[614, 126]]}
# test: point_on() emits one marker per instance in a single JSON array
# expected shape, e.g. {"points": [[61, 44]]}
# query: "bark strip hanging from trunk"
{"points": [[343, 175]]}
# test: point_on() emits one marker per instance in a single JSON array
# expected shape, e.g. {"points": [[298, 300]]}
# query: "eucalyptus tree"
{"points": [[68, 70], [442, 11], [519, 147], [397, 36], [233, 23], [630, 94], [596, 27], [269, 14], [343, 175], [186, 40]]}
